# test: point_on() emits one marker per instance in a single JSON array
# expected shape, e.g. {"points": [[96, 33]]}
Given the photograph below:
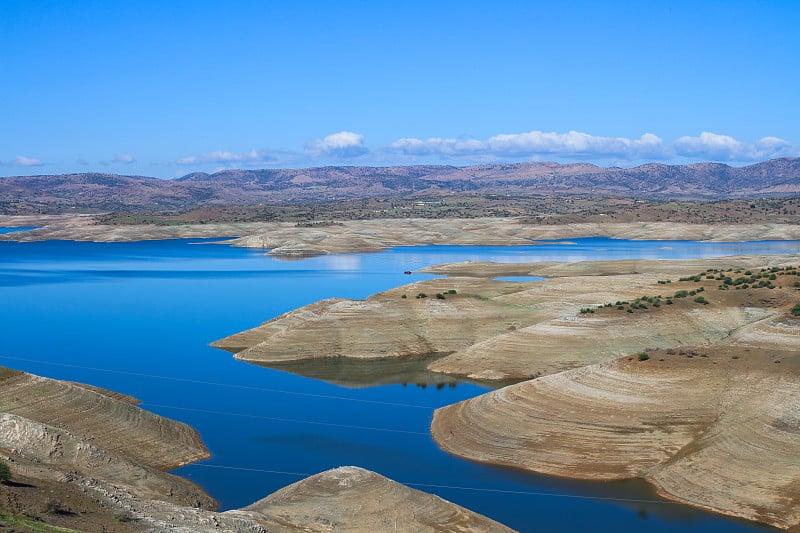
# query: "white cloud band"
{"points": [[576, 144]]}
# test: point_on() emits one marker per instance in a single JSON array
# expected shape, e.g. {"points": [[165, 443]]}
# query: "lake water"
{"points": [[137, 318]]}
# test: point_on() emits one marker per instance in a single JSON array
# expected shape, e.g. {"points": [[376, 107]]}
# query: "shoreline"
{"points": [[284, 239], [594, 272], [491, 336]]}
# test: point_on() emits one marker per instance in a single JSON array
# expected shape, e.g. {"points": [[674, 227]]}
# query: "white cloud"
{"points": [[343, 144], [725, 148], [253, 157], [437, 145], [22, 161], [575, 143], [571, 144], [579, 145], [124, 158]]}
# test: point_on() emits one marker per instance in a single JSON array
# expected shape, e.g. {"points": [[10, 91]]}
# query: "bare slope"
{"points": [[353, 499], [86, 458], [285, 239], [69, 427], [718, 429], [493, 330]]}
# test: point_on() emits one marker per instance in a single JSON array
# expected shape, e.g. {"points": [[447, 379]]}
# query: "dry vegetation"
{"points": [[538, 209]]}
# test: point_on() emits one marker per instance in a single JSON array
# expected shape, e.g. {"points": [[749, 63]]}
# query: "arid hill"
{"points": [[682, 372], [110, 192], [87, 459]]}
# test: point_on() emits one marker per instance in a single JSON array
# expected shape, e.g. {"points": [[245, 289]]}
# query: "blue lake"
{"points": [[137, 318]]}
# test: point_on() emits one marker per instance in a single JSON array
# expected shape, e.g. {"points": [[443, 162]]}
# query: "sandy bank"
{"points": [[493, 330], [716, 428], [86, 458], [289, 240]]}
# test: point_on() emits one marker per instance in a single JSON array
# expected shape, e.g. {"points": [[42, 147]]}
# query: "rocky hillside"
{"points": [[109, 192]]}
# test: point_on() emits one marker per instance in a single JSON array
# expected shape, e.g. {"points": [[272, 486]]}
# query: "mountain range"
{"points": [[95, 192]]}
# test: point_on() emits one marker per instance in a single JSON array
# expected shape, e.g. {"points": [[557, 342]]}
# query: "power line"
{"points": [[294, 420], [217, 384], [453, 487]]}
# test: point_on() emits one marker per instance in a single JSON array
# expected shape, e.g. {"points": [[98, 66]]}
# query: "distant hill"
{"points": [[111, 192]]}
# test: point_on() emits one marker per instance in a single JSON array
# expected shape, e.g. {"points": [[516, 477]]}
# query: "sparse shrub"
{"points": [[5, 472], [585, 310], [620, 308], [422, 295], [796, 310], [701, 300], [681, 294], [643, 356], [404, 296], [439, 296], [452, 291]]}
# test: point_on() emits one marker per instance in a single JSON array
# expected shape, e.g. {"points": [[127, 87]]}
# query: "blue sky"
{"points": [[171, 87]]}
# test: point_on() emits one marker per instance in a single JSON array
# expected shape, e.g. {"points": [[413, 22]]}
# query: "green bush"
{"points": [[701, 300], [5, 472], [796, 310], [643, 356]]}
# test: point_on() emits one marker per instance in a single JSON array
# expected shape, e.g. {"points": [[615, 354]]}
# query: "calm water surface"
{"points": [[137, 318]]}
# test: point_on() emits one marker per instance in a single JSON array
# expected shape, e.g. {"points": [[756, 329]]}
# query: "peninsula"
{"points": [[84, 458], [664, 370]]}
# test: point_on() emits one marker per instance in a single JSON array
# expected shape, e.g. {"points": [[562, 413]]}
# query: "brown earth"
{"points": [[711, 417], [714, 427], [494, 330], [87, 459], [284, 239], [353, 499], [73, 448]]}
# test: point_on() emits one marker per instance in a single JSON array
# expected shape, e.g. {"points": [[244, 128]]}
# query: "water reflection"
{"points": [[357, 373]]}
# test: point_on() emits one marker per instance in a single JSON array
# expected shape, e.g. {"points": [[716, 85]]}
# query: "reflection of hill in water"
{"points": [[356, 373]]}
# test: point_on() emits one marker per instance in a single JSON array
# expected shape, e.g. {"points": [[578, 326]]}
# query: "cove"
{"points": [[137, 318]]}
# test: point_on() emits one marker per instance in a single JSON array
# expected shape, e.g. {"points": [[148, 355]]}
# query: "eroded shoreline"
{"points": [[81, 456], [284, 239], [485, 330], [605, 414]]}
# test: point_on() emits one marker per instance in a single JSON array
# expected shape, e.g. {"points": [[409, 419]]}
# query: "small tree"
{"points": [[5, 472]]}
